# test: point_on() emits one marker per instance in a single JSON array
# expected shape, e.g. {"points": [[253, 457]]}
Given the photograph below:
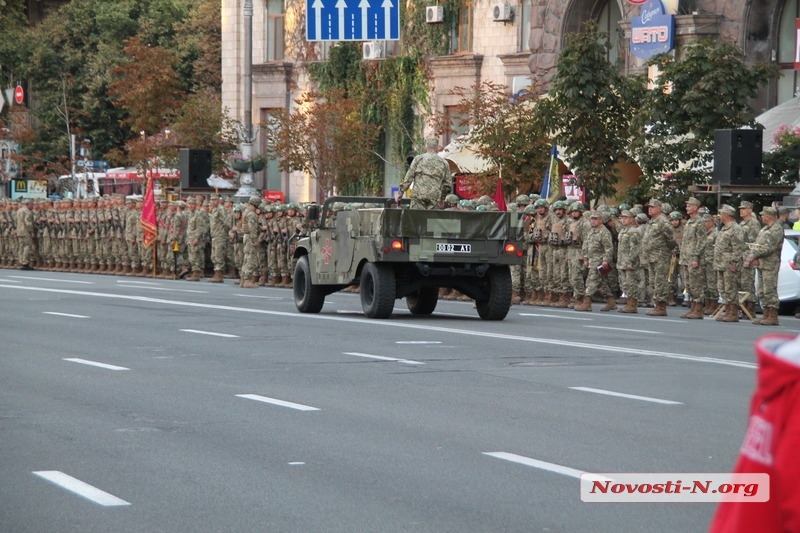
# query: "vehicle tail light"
{"points": [[510, 248], [793, 265], [397, 245]]}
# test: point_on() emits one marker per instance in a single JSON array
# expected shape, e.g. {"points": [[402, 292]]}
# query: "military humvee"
{"points": [[393, 252]]}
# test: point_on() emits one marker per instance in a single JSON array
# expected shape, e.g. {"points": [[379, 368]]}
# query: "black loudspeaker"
{"points": [[737, 157], [195, 168]]}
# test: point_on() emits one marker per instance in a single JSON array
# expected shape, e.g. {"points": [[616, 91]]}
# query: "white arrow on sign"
{"points": [[341, 5], [387, 18], [317, 7], [364, 6]]}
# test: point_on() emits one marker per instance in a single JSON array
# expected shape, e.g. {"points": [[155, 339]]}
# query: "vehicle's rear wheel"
{"points": [[423, 301], [377, 290], [307, 297], [499, 287]]}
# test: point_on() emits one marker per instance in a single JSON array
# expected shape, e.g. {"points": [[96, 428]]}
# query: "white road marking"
{"points": [[260, 297], [401, 325], [282, 403], [624, 329], [63, 314], [418, 342], [4, 280], [80, 488], [558, 317], [296, 463], [137, 282], [95, 363], [382, 358], [543, 465], [200, 332], [172, 290], [52, 279], [629, 396]]}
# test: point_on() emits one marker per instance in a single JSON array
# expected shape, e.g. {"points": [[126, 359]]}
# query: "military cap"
{"points": [[675, 215], [522, 200], [595, 214], [626, 214], [623, 207], [745, 205], [215, 197], [727, 210], [641, 218], [654, 202], [693, 201], [771, 211], [254, 200], [603, 208], [181, 204], [666, 208], [635, 210], [237, 208]]}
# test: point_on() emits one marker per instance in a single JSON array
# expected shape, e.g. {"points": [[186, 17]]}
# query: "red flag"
{"points": [[148, 221], [499, 197]]}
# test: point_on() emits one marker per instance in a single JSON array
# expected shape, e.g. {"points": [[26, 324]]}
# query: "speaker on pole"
{"points": [[195, 167], [737, 157]]}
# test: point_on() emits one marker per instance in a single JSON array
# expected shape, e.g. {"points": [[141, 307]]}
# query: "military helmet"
{"points": [[267, 209], [451, 199], [666, 208], [337, 206], [577, 206], [675, 215], [237, 208], [541, 202], [534, 196], [559, 204], [529, 210], [484, 200], [469, 204], [254, 200], [522, 200], [292, 205], [481, 207], [623, 207], [614, 212]]}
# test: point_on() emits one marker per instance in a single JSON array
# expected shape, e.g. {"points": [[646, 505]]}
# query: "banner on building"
{"points": [[653, 31]]}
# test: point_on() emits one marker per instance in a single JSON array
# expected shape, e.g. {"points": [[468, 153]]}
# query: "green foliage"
{"points": [[782, 163], [421, 38], [707, 88], [588, 110]]}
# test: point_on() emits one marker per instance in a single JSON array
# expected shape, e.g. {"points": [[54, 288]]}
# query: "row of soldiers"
{"points": [[574, 255], [105, 235]]}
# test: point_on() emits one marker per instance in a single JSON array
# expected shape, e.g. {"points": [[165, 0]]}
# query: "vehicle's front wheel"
{"points": [[499, 287], [377, 290], [307, 297], [423, 301]]}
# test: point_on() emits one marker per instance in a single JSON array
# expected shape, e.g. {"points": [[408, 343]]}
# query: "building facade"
{"points": [[517, 48]]}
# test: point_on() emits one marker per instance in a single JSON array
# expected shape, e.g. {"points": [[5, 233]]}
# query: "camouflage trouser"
{"points": [[146, 255], [712, 291], [237, 255], [768, 289], [516, 278], [545, 262], [272, 261], [629, 282], [644, 285], [164, 257], [596, 283], [218, 246], [576, 281], [24, 250], [658, 273], [531, 274], [559, 269], [132, 255], [696, 282], [728, 286], [424, 203], [747, 282], [613, 280], [250, 261], [283, 262], [197, 256]]}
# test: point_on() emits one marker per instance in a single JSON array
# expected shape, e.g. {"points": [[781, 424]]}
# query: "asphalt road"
{"points": [[138, 405]]}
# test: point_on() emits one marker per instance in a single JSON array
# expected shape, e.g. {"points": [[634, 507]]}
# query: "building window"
{"points": [[788, 83], [608, 22], [275, 38], [462, 36], [525, 26], [458, 121]]}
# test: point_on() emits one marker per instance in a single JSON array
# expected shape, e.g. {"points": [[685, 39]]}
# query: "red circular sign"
{"points": [[19, 95]]}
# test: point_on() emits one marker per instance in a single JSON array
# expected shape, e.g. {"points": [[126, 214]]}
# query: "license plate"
{"points": [[447, 248]]}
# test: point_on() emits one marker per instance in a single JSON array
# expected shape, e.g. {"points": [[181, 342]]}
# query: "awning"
{"points": [[785, 114]]}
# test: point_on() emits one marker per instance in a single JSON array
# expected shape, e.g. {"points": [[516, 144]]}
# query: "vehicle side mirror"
{"points": [[313, 213]]}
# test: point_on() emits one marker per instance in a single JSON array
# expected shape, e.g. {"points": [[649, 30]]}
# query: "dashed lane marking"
{"points": [[544, 465], [200, 332], [624, 329], [52, 279], [274, 401], [76, 486], [63, 314], [94, 363], [382, 358], [628, 396]]}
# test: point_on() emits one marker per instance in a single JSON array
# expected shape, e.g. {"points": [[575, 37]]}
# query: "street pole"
{"points": [[76, 193], [246, 188]]}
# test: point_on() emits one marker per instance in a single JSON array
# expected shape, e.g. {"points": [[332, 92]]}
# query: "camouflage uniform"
{"points": [[711, 287], [25, 234], [597, 249], [196, 237], [658, 243], [767, 253], [557, 268], [538, 237], [250, 244], [747, 281], [629, 240], [430, 175], [728, 252], [577, 226], [218, 228]]}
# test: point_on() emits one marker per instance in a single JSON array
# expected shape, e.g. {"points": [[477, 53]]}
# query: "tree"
{"points": [[708, 88], [325, 137], [502, 131], [588, 110]]}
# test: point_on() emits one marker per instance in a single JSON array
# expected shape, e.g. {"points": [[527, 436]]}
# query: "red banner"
{"points": [[148, 221]]}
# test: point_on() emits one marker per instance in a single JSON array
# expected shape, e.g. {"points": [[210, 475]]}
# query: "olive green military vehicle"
{"points": [[393, 252]]}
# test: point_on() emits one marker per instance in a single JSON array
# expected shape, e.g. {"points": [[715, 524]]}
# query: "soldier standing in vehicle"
{"points": [[430, 175]]}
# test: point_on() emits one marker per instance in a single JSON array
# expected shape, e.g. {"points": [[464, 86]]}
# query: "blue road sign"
{"points": [[352, 20]]}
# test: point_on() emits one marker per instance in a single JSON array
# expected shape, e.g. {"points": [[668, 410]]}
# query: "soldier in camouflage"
{"points": [[658, 244], [691, 260], [430, 175], [751, 226], [628, 242], [765, 255], [218, 229], [250, 244], [577, 227], [728, 253], [597, 254], [197, 236]]}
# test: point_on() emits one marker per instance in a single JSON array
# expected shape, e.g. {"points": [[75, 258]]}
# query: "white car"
{"points": [[789, 273]]}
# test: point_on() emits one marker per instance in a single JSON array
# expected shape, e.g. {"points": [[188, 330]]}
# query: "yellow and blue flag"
{"points": [[551, 185]]}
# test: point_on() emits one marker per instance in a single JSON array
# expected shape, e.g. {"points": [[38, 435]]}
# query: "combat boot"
{"points": [[532, 295], [631, 306], [696, 312], [251, 283], [611, 304], [563, 301], [271, 281], [751, 308], [659, 310], [710, 307], [286, 281], [146, 272], [585, 305], [731, 313], [515, 298], [230, 273], [218, 277], [195, 276], [545, 301], [770, 317], [262, 280]]}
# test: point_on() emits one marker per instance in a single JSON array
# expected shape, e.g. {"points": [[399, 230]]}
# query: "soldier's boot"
{"points": [[751, 308], [230, 273], [218, 277], [515, 298], [611, 304], [251, 283], [286, 281], [659, 310], [272, 281], [572, 302], [584, 305], [631, 306], [696, 312], [262, 280], [731, 313], [710, 306], [146, 272], [770, 317], [126, 269], [183, 272], [530, 298], [138, 270], [563, 301], [196, 275], [544, 301]]}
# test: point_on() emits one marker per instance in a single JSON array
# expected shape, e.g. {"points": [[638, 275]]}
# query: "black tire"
{"points": [[307, 297], [423, 302], [377, 290], [499, 302]]}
